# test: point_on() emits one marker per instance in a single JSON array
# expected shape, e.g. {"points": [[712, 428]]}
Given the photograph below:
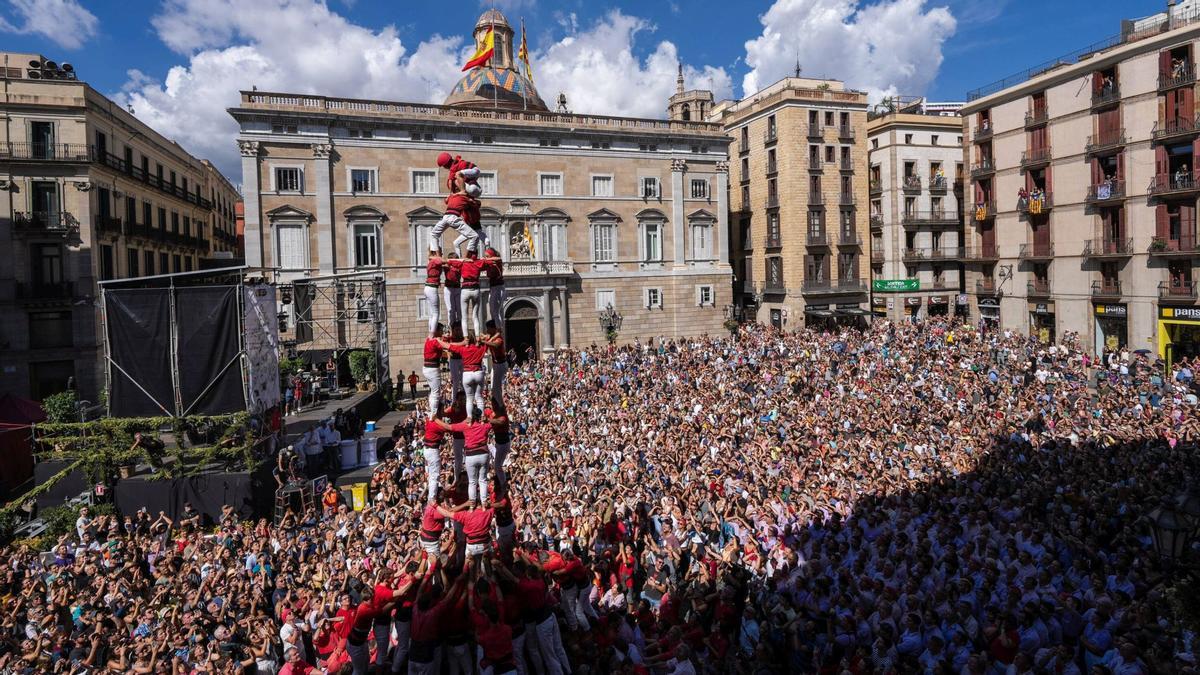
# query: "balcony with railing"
{"points": [[815, 164], [934, 254], [817, 239], [815, 130], [939, 218], [1177, 290], [938, 184], [984, 211], [774, 239], [1105, 142], [876, 257], [1036, 117], [983, 167], [845, 164], [1106, 97], [39, 222], [1108, 248], [539, 268], [876, 221], [62, 291], [875, 188], [45, 152], [1038, 288], [1180, 76], [743, 146], [108, 225], [1183, 247], [845, 132], [849, 238], [1175, 128], [1035, 204], [1179, 183], [1106, 288], [912, 184], [846, 199], [1036, 252], [772, 167], [982, 134], [985, 286], [816, 199], [118, 164], [831, 287], [770, 136], [983, 253], [1106, 192], [772, 201], [1035, 157]]}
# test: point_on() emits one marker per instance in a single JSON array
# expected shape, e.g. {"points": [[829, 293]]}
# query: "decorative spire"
{"points": [[797, 66], [679, 80]]}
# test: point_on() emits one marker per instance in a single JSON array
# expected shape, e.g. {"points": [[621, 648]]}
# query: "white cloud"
{"points": [[277, 45], [63, 22], [890, 47], [600, 74]]}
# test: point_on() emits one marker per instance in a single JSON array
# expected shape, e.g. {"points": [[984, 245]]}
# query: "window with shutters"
{"points": [[651, 241], [604, 242], [488, 183], [363, 180], [700, 188], [602, 186], [550, 184], [650, 189], [424, 182], [293, 245], [606, 298], [287, 179], [653, 298], [131, 260], [148, 260], [702, 240], [705, 297], [366, 245]]}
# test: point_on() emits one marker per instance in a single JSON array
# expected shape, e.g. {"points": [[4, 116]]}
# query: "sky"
{"points": [[180, 63]]}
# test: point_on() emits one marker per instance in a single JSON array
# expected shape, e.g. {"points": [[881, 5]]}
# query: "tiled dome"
{"points": [[486, 86], [492, 17]]}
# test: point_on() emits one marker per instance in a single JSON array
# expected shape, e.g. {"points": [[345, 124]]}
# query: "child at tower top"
{"points": [[464, 175]]}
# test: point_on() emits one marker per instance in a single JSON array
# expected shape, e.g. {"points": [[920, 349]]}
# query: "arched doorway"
{"points": [[521, 330]]}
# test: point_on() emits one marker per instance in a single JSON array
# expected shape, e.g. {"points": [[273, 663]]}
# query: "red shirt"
{"points": [[495, 271], [504, 515], [426, 626], [499, 354], [495, 639], [455, 166], [432, 522], [533, 593], [476, 435], [454, 416], [434, 434], [458, 204], [471, 267], [452, 274], [433, 272], [576, 572], [432, 352], [477, 524], [472, 355], [554, 563], [347, 622]]}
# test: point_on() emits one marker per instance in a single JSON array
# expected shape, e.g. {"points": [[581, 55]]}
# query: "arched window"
{"points": [[687, 112]]}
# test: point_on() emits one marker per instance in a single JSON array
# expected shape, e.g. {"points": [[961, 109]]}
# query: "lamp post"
{"points": [[1175, 528], [610, 322]]}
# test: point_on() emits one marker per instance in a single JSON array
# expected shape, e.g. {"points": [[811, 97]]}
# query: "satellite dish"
{"points": [[35, 64], [35, 75], [51, 65], [68, 67]]}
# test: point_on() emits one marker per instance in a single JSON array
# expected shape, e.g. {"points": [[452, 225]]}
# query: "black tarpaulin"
{"points": [[139, 345], [210, 373]]}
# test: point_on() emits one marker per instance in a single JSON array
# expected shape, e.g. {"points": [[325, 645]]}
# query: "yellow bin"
{"points": [[358, 496]]}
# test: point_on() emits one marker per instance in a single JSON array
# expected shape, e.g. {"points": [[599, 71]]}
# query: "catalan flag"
{"points": [[529, 240], [523, 53], [483, 54]]}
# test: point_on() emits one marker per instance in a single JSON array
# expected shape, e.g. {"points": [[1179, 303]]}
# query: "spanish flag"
{"points": [[484, 54]]}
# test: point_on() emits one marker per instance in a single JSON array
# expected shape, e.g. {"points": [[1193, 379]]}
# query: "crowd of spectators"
{"points": [[908, 498]]}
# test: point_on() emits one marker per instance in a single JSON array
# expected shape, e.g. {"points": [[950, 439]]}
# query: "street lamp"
{"points": [[610, 321], [1171, 531]]}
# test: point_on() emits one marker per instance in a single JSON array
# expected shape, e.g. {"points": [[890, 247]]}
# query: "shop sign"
{"points": [[847, 305], [891, 303], [1041, 308], [1192, 313], [962, 299], [814, 308], [912, 302], [939, 299], [895, 285], [1112, 310], [878, 302], [989, 302]]}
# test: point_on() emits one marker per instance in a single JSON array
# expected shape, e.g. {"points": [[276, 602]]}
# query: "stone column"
{"points": [[564, 335], [325, 240], [722, 234], [547, 325], [678, 166], [253, 211]]}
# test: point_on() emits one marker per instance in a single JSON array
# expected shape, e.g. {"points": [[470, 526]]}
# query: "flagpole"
{"points": [[524, 94]]}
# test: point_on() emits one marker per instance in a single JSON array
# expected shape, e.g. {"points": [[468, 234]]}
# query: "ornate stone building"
{"points": [[588, 210]]}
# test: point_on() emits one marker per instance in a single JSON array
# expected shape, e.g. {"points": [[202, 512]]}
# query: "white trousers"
{"points": [[453, 305], [477, 466], [477, 244], [473, 384], [576, 619], [549, 640], [496, 296], [433, 469], [433, 299], [433, 377], [465, 232], [470, 310]]}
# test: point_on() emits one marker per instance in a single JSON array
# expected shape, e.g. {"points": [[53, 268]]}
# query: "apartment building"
{"points": [[222, 223], [1083, 213], [89, 193], [590, 213], [916, 219], [798, 213]]}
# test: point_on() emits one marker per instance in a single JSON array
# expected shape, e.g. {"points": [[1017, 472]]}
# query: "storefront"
{"points": [[851, 314], [1041, 321], [1112, 330], [912, 307], [989, 312], [1178, 333], [962, 308], [819, 316], [939, 305], [879, 307]]}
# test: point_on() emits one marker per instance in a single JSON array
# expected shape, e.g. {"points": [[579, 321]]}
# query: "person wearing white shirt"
{"points": [[331, 439]]}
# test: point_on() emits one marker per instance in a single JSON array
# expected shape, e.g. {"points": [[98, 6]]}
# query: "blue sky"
{"points": [[179, 63]]}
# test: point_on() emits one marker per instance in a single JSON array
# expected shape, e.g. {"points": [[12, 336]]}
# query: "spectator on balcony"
{"points": [[1022, 199], [1178, 68], [1182, 175]]}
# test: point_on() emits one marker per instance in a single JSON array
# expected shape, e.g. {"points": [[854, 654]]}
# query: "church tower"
{"points": [[688, 106]]}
